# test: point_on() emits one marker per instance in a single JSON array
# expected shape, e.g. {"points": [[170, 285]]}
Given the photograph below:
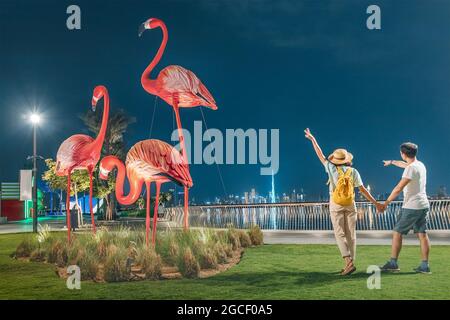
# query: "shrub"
{"points": [[244, 239], [233, 238], [256, 235], [74, 250], [117, 266], [37, 255], [25, 248], [221, 254], [102, 248], [208, 259], [88, 264], [228, 248], [57, 253], [173, 252], [150, 262], [188, 264]]}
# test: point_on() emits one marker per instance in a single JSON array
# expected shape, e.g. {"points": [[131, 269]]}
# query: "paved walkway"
{"points": [[437, 237]]}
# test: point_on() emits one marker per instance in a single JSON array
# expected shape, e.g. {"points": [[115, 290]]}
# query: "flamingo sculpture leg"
{"points": [[155, 211], [91, 210], [81, 152], [176, 85], [147, 216], [147, 161], [69, 227]]}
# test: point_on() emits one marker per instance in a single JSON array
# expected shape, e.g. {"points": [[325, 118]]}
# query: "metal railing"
{"points": [[301, 216]]}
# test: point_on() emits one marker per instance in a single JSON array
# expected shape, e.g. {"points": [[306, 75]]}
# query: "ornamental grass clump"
{"points": [[244, 239], [233, 238], [37, 255], [57, 253], [188, 264], [256, 235], [220, 252], [207, 258], [89, 266], [117, 266], [25, 247], [149, 261]]}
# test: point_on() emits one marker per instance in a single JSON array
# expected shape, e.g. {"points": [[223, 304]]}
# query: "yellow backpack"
{"points": [[344, 193]]}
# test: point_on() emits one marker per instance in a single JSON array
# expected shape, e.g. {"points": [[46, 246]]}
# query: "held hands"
{"points": [[308, 134], [381, 207]]}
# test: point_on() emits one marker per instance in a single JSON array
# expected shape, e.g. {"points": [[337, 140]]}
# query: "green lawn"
{"points": [[267, 272]]}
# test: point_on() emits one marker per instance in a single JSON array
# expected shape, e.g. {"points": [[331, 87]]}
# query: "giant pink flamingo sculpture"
{"points": [[177, 86], [147, 161], [81, 152]]}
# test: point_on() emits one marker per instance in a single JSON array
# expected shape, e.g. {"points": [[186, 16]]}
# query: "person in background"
{"points": [[413, 215], [74, 217], [342, 181]]}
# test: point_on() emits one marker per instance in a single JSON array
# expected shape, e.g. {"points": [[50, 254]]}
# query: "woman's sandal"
{"points": [[349, 269]]}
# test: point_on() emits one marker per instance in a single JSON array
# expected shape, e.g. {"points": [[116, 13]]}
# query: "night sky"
{"points": [[269, 64]]}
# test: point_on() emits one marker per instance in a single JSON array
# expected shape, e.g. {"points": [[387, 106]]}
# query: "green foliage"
{"points": [[118, 123], [79, 179]]}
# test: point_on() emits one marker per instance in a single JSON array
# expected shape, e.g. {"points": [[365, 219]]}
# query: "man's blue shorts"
{"points": [[415, 219]]}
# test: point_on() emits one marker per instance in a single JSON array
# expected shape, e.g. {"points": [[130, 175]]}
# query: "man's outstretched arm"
{"points": [[397, 163], [317, 149]]}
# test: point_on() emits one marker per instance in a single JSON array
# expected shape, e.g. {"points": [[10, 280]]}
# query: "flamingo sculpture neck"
{"points": [[106, 165], [149, 84], [102, 92], [146, 81]]}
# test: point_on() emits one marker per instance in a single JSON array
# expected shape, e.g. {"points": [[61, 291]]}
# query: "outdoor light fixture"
{"points": [[35, 118]]}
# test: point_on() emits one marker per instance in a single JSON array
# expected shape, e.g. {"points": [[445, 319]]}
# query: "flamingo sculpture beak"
{"points": [[94, 102], [103, 173], [141, 29]]}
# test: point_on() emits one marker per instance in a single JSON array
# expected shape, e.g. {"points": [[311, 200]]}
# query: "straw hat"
{"points": [[340, 156]]}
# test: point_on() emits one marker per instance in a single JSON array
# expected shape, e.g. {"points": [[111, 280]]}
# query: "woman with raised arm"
{"points": [[342, 180]]}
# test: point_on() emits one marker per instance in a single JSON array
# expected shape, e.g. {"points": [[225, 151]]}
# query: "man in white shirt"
{"points": [[415, 206]]}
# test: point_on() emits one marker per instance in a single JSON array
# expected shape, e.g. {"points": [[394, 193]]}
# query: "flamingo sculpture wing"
{"points": [[81, 152], [176, 85], [147, 161]]}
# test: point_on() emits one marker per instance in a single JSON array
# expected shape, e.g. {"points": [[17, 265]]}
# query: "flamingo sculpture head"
{"points": [[150, 24], [99, 92]]}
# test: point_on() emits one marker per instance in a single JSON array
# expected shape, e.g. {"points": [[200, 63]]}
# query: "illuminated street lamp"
{"points": [[35, 119]]}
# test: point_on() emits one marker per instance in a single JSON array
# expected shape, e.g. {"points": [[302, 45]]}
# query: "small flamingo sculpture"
{"points": [[178, 87], [147, 161], [81, 152]]}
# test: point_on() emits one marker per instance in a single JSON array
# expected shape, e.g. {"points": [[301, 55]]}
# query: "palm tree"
{"points": [[114, 143]]}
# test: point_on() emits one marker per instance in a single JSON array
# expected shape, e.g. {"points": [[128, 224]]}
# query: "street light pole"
{"points": [[35, 212]]}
